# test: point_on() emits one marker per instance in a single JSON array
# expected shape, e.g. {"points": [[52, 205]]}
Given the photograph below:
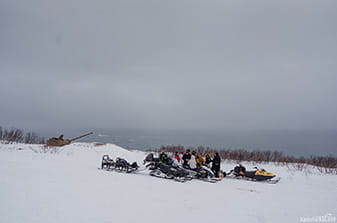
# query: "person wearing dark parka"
{"points": [[216, 164]]}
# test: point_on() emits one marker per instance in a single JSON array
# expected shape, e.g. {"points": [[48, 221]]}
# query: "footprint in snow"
{"points": [[249, 190]]}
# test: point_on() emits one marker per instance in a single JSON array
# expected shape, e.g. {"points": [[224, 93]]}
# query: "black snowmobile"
{"points": [[239, 172], [123, 165], [120, 164], [162, 170], [202, 173], [107, 163]]}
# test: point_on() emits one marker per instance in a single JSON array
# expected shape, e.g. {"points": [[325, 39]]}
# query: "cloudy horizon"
{"points": [[219, 65]]}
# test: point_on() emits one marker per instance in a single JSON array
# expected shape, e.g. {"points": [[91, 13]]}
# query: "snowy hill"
{"points": [[67, 186]]}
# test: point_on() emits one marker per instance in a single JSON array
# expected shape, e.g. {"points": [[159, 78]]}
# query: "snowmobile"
{"points": [[162, 170], [123, 166], [261, 175], [166, 171], [107, 163], [202, 173], [120, 164], [172, 171]]}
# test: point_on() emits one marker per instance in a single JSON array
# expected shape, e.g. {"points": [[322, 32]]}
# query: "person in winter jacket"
{"points": [[181, 155], [176, 157], [216, 164], [240, 170], [208, 159], [163, 158], [201, 160], [193, 161], [186, 158]]}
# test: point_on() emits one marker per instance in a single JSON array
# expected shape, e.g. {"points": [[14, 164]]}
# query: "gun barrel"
{"points": [[81, 136]]}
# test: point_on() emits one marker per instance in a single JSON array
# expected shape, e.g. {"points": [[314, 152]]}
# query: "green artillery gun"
{"points": [[62, 142]]}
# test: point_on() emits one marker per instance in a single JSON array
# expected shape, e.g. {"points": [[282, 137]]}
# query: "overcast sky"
{"points": [[169, 64]]}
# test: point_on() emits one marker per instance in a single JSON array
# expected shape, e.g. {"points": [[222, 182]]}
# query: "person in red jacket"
{"points": [[177, 157]]}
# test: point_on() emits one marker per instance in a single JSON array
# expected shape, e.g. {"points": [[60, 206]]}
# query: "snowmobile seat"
{"points": [[250, 174], [259, 175], [171, 170], [150, 158], [123, 165], [134, 165]]}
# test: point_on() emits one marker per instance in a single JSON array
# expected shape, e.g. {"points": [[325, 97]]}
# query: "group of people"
{"points": [[192, 160]]}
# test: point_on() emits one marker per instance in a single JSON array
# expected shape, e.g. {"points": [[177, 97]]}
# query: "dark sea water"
{"points": [[295, 143]]}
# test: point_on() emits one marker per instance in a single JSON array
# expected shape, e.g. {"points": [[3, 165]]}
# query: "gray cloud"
{"points": [[169, 64]]}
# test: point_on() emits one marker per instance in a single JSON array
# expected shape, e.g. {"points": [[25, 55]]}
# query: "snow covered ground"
{"points": [[68, 187]]}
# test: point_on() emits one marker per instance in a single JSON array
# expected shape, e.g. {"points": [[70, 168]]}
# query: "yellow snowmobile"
{"points": [[239, 172]]}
